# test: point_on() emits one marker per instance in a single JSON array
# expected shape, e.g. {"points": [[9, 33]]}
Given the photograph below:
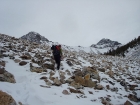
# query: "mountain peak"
{"points": [[34, 37], [106, 43], [109, 42]]}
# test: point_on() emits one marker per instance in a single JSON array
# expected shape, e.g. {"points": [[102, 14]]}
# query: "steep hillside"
{"points": [[84, 78]]}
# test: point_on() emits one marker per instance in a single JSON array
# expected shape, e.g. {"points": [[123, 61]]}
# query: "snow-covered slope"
{"points": [[133, 52], [84, 78]]}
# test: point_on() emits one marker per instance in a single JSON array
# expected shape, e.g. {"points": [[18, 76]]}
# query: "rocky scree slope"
{"points": [[79, 70]]}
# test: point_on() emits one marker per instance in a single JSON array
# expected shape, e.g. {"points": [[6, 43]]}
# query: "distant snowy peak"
{"points": [[34, 37], [108, 41], [104, 43]]}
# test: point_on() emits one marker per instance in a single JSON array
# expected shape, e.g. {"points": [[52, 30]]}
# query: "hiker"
{"points": [[57, 53]]}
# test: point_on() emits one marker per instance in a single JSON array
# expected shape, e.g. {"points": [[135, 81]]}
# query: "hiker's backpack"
{"points": [[55, 50]]}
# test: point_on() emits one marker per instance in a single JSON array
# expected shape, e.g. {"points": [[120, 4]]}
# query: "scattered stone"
{"points": [[65, 92], [45, 86], [75, 91], [111, 82], [43, 77], [108, 87], [99, 87], [69, 63], [20, 103], [17, 60], [90, 92]]}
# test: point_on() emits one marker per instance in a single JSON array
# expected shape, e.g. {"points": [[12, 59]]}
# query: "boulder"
{"points": [[6, 99]]}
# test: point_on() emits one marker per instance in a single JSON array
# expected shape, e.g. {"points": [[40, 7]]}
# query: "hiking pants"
{"points": [[57, 60]]}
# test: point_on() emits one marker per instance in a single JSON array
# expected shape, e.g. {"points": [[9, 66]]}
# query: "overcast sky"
{"points": [[72, 22]]}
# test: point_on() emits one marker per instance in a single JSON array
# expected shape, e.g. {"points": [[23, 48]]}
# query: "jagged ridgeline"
{"points": [[92, 78], [125, 49]]}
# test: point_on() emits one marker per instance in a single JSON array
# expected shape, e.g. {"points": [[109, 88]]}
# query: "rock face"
{"points": [[6, 99]]}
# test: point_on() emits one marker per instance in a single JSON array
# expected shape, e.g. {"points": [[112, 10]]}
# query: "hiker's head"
{"points": [[59, 46]]}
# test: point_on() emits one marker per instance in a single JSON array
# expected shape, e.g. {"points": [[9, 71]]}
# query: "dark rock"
{"points": [[43, 77], [69, 63], [128, 103], [22, 63], [2, 70]]}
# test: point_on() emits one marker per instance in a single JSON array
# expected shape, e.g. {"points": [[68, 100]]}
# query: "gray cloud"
{"points": [[72, 22]]}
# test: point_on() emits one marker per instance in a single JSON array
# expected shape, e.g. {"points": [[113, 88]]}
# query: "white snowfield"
{"points": [[28, 91]]}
